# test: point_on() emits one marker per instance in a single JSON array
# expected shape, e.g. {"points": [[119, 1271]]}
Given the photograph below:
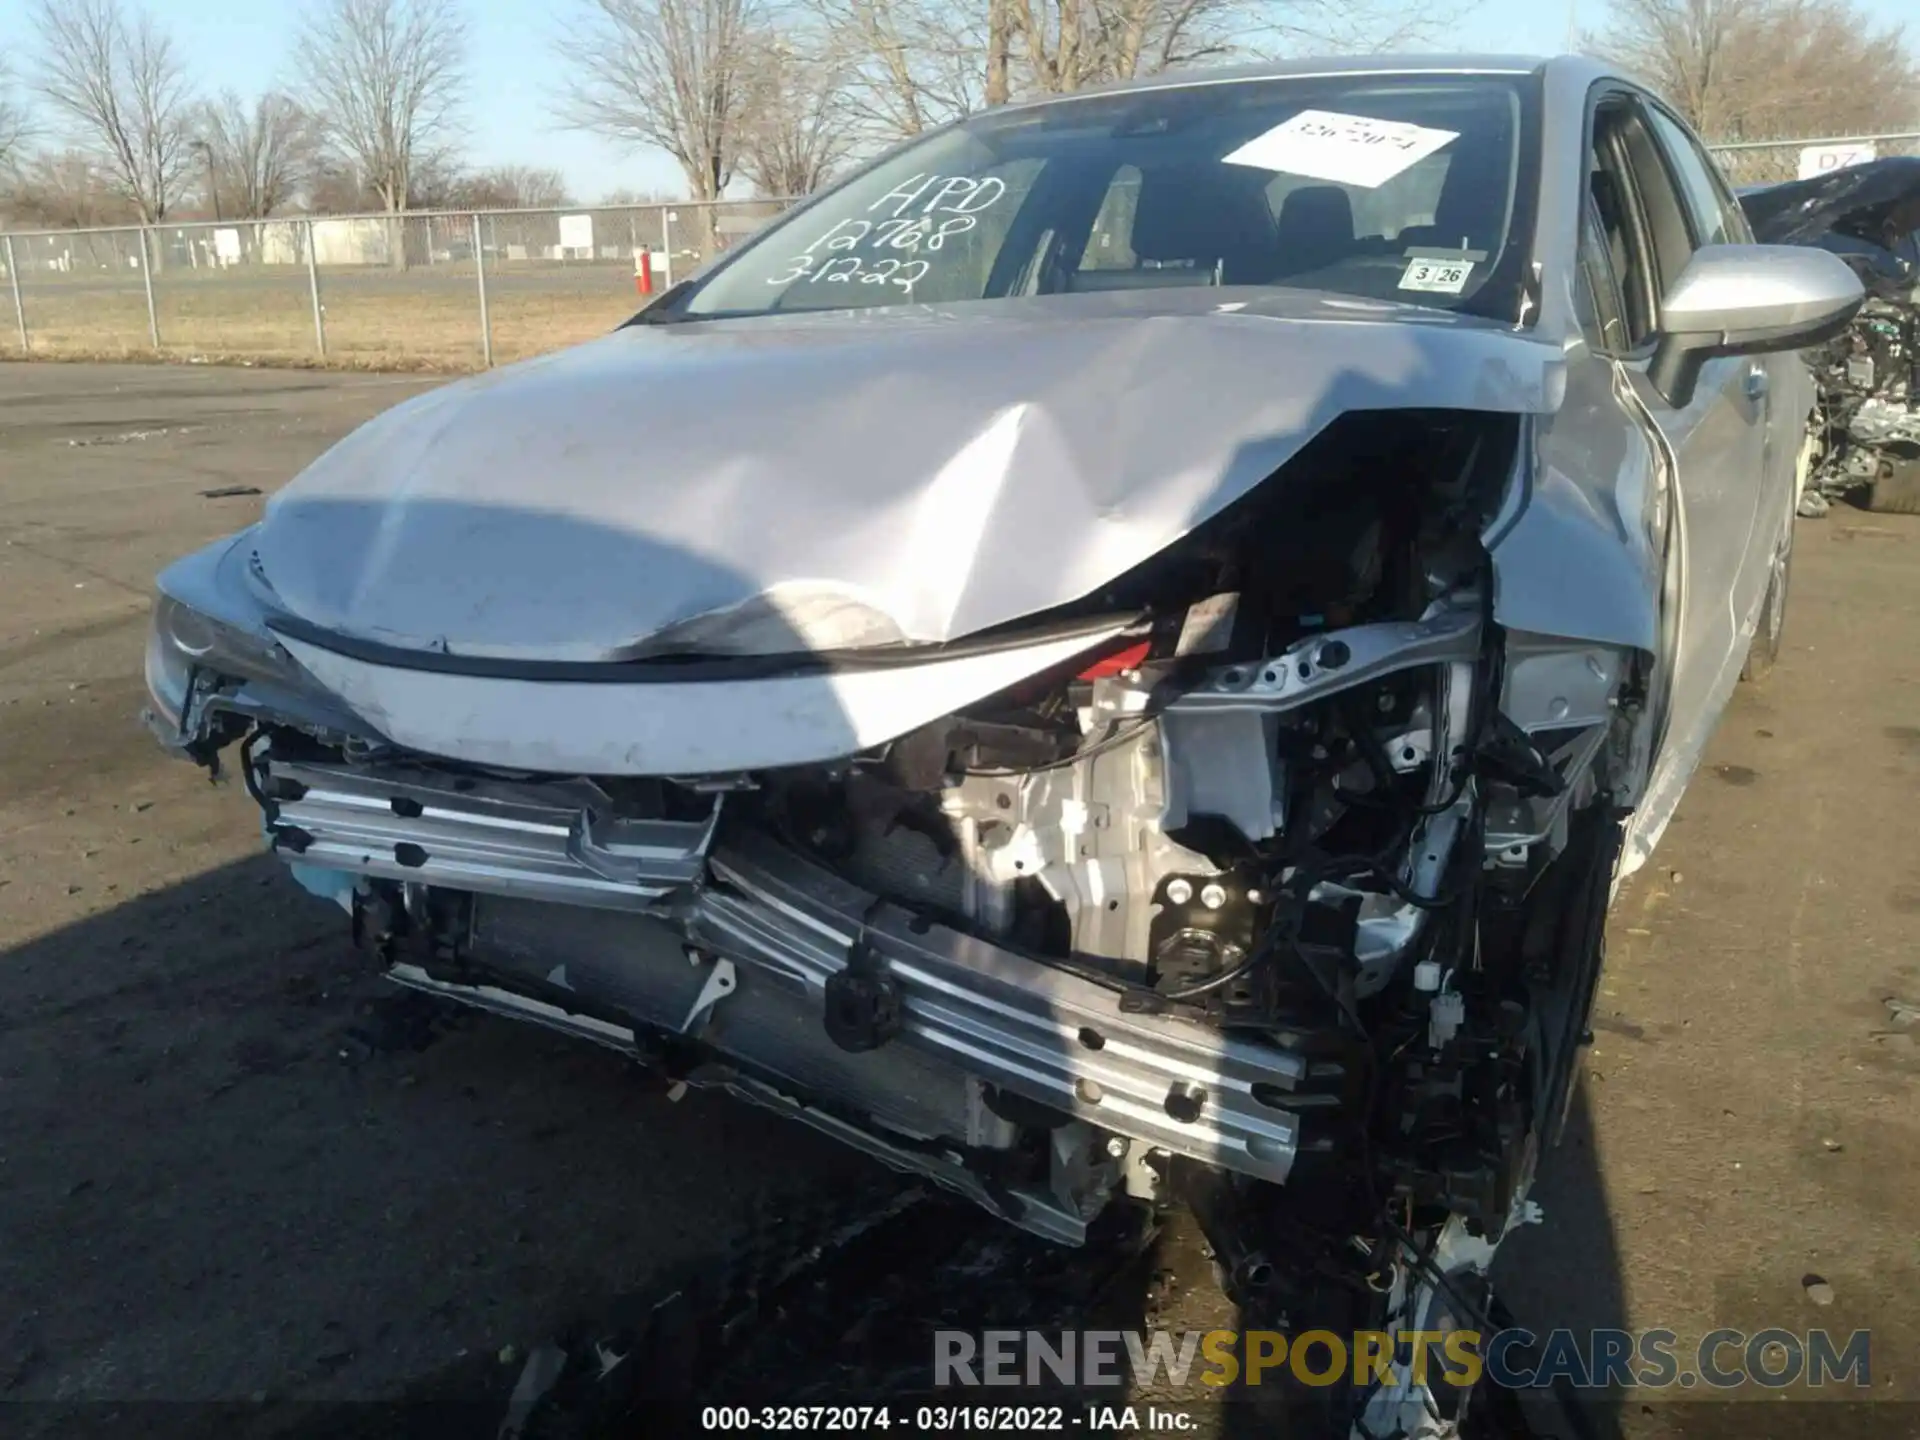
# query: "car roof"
{"points": [[1574, 72]]}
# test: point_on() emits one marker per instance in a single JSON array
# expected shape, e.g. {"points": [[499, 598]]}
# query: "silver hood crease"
{"points": [[914, 481]]}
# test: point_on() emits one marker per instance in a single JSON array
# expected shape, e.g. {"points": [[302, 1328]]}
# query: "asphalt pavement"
{"points": [[234, 1165]]}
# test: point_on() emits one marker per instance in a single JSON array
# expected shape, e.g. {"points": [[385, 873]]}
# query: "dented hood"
{"points": [[836, 481], [1878, 202]]}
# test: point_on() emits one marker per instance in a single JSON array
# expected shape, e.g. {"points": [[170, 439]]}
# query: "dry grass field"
{"points": [[425, 319]]}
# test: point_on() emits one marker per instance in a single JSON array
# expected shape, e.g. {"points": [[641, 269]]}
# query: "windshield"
{"points": [[1393, 187]]}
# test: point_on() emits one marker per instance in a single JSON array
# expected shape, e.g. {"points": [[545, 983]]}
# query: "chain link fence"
{"points": [[1767, 162], [425, 289]]}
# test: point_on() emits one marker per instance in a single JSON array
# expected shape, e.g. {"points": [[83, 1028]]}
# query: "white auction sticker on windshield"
{"points": [[1437, 277], [1347, 149]]}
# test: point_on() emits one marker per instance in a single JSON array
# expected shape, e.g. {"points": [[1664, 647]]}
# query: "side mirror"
{"points": [[1748, 300]]}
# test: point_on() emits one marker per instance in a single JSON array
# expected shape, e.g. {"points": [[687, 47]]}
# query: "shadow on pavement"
{"points": [[240, 1165]]}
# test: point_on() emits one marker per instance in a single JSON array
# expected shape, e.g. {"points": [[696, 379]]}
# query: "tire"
{"points": [[1765, 649]]}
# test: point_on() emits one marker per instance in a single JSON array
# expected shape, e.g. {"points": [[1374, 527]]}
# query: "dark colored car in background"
{"points": [[1868, 431]]}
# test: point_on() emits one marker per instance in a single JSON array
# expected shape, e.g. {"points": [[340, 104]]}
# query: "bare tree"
{"points": [[435, 182], [1759, 69], [999, 51], [1688, 49], [65, 190], [796, 128], [16, 127], [385, 78], [911, 65], [335, 187], [509, 187], [671, 73], [1069, 44], [914, 64], [1066, 45], [627, 195], [124, 94], [262, 154]]}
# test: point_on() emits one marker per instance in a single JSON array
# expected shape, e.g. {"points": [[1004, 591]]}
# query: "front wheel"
{"points": [[1765, 649]]}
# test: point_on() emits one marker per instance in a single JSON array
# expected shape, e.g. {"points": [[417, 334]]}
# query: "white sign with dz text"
{"points": [[1819, 159]]}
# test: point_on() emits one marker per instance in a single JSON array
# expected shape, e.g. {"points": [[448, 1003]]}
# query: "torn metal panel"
{"points": [[1578, 555]]}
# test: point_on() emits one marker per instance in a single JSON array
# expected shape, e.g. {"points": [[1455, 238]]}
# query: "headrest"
{"points": [[1206, 214]]}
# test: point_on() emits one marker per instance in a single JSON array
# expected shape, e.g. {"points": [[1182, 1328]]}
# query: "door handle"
{"points": [[1757, 381]]}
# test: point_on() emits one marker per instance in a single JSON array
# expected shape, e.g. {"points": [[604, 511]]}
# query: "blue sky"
{"points": [[245, 43]]}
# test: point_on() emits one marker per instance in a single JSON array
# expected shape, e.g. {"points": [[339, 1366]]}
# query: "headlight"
{"points": [[211, 661], [188, 633], [168, 669], [182, 640], [216, 645]]}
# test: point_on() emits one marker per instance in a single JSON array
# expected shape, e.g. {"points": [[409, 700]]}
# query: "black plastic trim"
{"points": [[676, 670]]}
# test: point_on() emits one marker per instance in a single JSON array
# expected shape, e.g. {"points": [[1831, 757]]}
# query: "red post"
{"points": [[643, 272]]}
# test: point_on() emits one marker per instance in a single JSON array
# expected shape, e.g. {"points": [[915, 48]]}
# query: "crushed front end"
{"points": [[1270, 876]]}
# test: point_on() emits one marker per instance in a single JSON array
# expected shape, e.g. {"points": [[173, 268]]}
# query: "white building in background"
{"points": [[362, 240]]}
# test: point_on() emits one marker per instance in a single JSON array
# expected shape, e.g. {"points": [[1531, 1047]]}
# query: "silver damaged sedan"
{"points": [[1119, 653]]}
